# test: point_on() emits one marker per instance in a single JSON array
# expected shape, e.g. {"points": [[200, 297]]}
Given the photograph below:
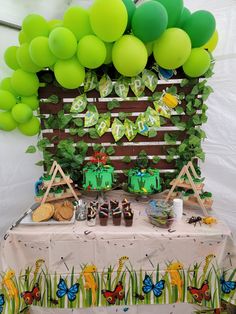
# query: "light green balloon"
{"points": [[109, 47], [62, 43], [69, 73], [172, 49], [6, 85], [149, 47], [91, 52], [7, 123], [24, 59], [35, 25], [54, 24], [108, 19], [24, 83], [76, 19], [10, 57], [31, 101], [7, 100], [22, 38], [21, 113], [198, 63], [31, 127], [40, 52], [129, 55]]}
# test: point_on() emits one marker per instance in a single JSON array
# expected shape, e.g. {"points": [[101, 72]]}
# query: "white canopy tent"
{"points": [[17, 170]]}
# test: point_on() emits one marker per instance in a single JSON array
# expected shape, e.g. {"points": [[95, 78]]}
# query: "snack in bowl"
{"points": [[43, 213], [160, 213]]}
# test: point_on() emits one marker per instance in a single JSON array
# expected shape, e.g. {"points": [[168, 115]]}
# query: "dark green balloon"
{"points": [[130, 7], [183, 18], [200, 27], [174, 10]]}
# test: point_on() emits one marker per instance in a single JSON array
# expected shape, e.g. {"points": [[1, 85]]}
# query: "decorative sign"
{"points": [[79, 104], [141, 125], [122, 87], [162, 109], [152, 117], [130, 129], [150, 80], [117, 129], [91, 116], [91, 81], [105, 86], [103, 123], [137, 85]]}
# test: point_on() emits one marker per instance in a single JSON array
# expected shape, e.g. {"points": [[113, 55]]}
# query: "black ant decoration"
{"points": [[194, 220]]}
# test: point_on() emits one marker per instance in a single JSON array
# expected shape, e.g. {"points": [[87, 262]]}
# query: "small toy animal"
{"points": [[194, 220], [209, 220]]}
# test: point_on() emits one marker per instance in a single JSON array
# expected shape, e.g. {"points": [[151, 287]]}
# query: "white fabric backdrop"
{"points": [[18, 172]]}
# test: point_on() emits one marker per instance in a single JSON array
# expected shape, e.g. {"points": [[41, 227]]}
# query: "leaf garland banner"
{"points": [[91, 116], [141, 125], [150, 80], [90, 81], [103, 124], [105, 86], [137, 86], [130, 129], [117, 129], [162, 109], [152, 117], [122, 87], [79, 104]]}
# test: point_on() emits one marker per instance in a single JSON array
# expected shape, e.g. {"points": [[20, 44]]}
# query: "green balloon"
{"points": [[7, 123], [198, 63], [183, 17], [108, 19], [130, 7], [24, 83], [149, 21], [22, 38], [129, 55], [200, 27], [31, 101], [174, 10], [91, 52], [149, 47], [21, 113], [76, 19], [172, 49], [40, 52], [31, 127], [6, 85], [109, 47], [35, 25], [10, 57], [62, 43], [54, 23], [25, 61], [7, 100], [69, 73]]}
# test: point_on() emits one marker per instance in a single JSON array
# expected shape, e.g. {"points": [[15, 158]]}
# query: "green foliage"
{"points": [[78, 122], [123, 115], [170, 138], [113, 104], [156, 159], [110, 150], [31, 149], [93, 133], [59, 121], [126, 159]]}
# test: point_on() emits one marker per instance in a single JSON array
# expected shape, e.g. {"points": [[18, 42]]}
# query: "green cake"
{"points": [[144, 181], [98, 177]]}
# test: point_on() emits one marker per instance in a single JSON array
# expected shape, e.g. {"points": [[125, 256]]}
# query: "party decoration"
{"points": [[30, 128], [152, 117], [91, 116], [129, 55], [54, 23], [6, 85], [7, 100], [200, 27], [21, 113], [7, 123], [24, 59], [22, 38], [79, 104], [130, 129], [117, 129], [31, 101], [69, 73], [90, 81], [40, 52], [76, 19], [183, 17], [149, 47], [162, 109], [130, 7], [198, 63], [108, 58], [35, 25], [172, 49], [24, 83], [212, 43], [165, 74], [149, 21], [150, 79], [62, 43], [169, 100], [91, 52], [105, 86], [122, 87], [10, 57], [174, 9], [103, 123], [141, 125], [108, 19], [137, 86]]}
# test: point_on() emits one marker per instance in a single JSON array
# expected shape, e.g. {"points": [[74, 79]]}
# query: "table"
{"points": [[98, 266]]}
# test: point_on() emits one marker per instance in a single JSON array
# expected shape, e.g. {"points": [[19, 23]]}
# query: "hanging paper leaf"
{"points": [[137, 86], [130, 129], [141, 125], [90, 81], [162, 109], [117, 129], [150, 80], [152, 117], [91, 116], [103, 124], [79, 104], [105, 86], [122, 87]]}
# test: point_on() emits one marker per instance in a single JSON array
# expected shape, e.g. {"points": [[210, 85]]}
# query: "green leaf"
{"points": [[194, 140], [179, 109], [105, 86], [184, 82], [39, 163], [126, 172], [182, 147], [156, 159], [181, 126], [123, 115], [78, 122], [93, 133], [81, 132], [113, 104], [43, 143], [31, 149], [197, 119], [204, 118], [157, 96], [197, 103], [172, 90], [73, 131], [110, 150], [195, 90], [63, 119], [152, 133], [82, 146], [90, 81], [169, 158], [97, 147], [170, 138], [126, 159], [122, 87]]}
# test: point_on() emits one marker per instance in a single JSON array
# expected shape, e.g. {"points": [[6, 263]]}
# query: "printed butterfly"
{"points": [[30, 296], [202, 293], [2, 302], [63, 290], [148, 286], [112, 296], [227, 286]]}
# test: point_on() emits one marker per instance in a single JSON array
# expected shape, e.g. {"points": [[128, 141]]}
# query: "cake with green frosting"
{"points": [[98, 177], [144, 181]]}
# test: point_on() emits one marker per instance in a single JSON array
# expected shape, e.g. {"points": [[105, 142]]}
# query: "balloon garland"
{"points": [[117, 32]]}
